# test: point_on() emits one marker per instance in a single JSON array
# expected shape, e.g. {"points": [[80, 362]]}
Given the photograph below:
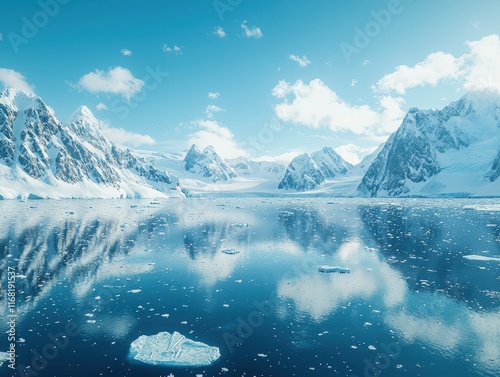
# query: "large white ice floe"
{"points": [[482, 258], [4, 356], [329, 269], [172, 350]]}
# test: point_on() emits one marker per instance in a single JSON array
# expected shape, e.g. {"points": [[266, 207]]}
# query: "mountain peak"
{"points": [[481, 102], [20, 99], [83, 113]]}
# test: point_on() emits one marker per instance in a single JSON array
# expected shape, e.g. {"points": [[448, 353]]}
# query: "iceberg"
{"points": [[327, 269], [172, 350]]}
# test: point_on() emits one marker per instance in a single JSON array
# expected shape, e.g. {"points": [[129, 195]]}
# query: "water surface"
{"points": [[412, 305]]}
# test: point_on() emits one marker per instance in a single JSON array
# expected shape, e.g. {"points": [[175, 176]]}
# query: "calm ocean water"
{"points": [[422, 297]]}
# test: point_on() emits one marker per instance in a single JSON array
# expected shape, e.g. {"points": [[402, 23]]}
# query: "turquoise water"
{"points": [[93, 276]]}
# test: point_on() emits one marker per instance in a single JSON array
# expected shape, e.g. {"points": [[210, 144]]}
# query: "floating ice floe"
{"points": [[4, 356], [328, 269], [230, 251], [481, 258], [172, 350], [484, 207]]}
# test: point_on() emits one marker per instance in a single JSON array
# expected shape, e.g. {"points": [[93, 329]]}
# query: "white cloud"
{"points": [[101, 106], [123, 137], [219, 31], [211, 109], [354, 82], [284, 158], [12, 79], [482, 64], [353, 153], [126, 52], [315, 105], [303, 61], [475, 70], [252, 32], [213, 95], [221, 138], [117, 80], [366, 62], [176, 49], [435, 68]]}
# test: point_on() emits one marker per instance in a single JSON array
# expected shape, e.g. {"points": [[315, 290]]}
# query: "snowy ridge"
{"points": [[42, 158]]}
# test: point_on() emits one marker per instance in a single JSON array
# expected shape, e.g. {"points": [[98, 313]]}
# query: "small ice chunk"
{"points": [[134, 291], [262, 355], [371, 347], [328, 269], [165, 315], [172, 350], [230, 251]]}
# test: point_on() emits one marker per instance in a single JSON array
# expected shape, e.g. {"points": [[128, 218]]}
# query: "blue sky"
{"points": [[266, 79]]}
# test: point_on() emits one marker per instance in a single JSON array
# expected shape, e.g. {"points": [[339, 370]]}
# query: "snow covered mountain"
{"points": [[42, 158], [208, 164], [450, 152], [307, 172], [246, 167]]}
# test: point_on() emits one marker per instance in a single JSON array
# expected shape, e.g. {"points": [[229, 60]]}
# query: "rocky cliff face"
{"points": [[433, 150]]}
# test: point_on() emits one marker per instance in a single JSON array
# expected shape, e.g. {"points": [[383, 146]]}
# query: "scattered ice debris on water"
{"points": [[370, 249], [373, 348], [230, 251], [90, 315], [97, 297], [238, 281], [354, 347], [224, 370], [481, 258], [261, 355], [172, 350], [367, 324], [329, 269], [184, 323], [90, 320], [165, 315], [134, 291], [226, 305]]}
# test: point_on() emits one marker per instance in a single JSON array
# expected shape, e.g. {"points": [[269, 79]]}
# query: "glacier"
{"points": [[172, 350]]}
